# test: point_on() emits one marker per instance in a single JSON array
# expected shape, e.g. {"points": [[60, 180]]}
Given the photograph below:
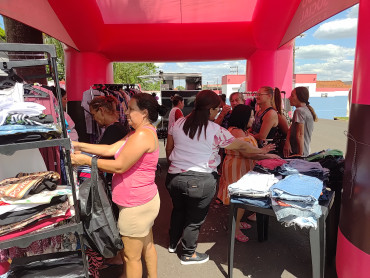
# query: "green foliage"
{"points": [[60, 55], [2, 35], [180, 88], [129, 72]]}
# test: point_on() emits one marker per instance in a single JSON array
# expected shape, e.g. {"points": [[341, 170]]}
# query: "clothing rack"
{"points": [[19, 56]]}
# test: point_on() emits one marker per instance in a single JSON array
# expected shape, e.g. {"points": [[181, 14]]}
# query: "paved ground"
{"points": [[286, 253]]}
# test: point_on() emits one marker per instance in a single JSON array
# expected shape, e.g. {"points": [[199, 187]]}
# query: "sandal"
{"points": [[242, 238], [244, 226]]}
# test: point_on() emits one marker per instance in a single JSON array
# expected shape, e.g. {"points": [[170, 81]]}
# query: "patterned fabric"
{"points": [[233, 168], [23, 183], [95, 262], [52, 211]]}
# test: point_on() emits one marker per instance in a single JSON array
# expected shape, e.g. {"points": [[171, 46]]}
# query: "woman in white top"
{"points": [[175, 113], [192, 149]]}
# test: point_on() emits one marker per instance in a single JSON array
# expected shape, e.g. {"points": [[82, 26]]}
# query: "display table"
{"points": [[317, 236]]}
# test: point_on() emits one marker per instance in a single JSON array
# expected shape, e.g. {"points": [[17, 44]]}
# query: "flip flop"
{"points": [[244, 226], [252, 217], [242, 238]]}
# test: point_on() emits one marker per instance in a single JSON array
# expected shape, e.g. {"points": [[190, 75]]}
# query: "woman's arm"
{"points": [[287, 147], [300, 138], [270, 119], [246, 148], [98, 149], [169, 147], [283, 124], [225, 109], [136, 146]]}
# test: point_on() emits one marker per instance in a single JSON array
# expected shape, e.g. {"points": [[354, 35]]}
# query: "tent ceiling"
{"points": [[173, 30]]}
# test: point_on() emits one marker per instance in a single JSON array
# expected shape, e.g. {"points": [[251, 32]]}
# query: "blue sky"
{"points": [[327, 49]]}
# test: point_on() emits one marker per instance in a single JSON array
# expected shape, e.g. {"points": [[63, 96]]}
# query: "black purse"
{"points": [[97, 216]]}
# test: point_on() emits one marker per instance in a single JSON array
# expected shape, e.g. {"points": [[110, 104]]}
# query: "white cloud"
{"points": [[212, 72], [353, 12], [323, 51], [333, 69], [340, 28], [159, 65], [337, 29]]}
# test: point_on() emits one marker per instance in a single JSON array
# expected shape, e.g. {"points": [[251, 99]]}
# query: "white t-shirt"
{"points": [[172, 117], [197, 155]]}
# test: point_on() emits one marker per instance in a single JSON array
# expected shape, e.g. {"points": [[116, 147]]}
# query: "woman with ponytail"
{"points": [[192, 149], [299, 135]]}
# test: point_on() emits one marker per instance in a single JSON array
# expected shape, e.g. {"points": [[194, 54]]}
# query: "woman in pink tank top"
{"points": [[133, 186]]}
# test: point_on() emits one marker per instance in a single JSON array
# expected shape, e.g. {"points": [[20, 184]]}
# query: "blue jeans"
{"points": [[191, 194]]}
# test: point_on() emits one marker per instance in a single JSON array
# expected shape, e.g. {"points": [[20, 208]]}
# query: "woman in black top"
{"points": [[266, 119]]}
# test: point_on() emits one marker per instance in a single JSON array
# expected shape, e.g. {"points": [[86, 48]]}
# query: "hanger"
{"points": [[29, 90]]}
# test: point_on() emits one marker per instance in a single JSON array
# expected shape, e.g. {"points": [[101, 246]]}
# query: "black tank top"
{"points": [[257, 124]]}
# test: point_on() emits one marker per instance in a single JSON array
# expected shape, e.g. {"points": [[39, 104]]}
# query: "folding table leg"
{"points": [[317, 243], [232, 223], [262, 226]]}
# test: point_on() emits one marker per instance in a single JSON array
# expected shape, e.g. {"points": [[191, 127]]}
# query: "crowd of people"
{"points": [[193, 152]]}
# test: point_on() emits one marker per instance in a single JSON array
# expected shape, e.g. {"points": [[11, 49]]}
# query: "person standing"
{"points": [[192, 149], [266, 119], [133, 186], [299, 135], [224, 116], [176, 111]]}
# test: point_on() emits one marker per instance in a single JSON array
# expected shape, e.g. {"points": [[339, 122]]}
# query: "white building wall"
{"points": [[311, 87], [228, 89]]}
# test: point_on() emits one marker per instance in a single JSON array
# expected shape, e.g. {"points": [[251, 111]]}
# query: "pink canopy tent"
{"points": [[101, 31]]}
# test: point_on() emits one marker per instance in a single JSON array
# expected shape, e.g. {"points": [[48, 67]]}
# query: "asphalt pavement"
{"points": [[285, 254]]}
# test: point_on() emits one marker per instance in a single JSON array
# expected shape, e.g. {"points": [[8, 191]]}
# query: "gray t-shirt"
{"points": [[302, 115]]}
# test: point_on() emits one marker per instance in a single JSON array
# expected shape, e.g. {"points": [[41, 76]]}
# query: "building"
{"points": [[328, 98], [231, 83]]}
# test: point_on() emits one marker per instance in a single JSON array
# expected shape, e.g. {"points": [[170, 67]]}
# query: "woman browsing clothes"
{"points": [[236, 165], [192, 150], [299, 135], [133, 186]]}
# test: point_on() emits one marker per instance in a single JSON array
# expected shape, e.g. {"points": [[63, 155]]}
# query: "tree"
{"points": [[180, 88], [129, 72], [60, 55], [2, 35]]}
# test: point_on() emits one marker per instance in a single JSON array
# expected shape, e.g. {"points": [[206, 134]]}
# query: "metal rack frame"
{"points": [[48, 59]]}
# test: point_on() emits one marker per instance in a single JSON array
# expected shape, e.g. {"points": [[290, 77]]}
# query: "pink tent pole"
{"points": [[84, 69], [271, 68], [353, 245]]}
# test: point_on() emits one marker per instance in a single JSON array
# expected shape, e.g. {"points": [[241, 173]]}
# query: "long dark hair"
{"points": [[277, 101], [240, 116], [199, 117], [148, 102], [303, 95]]}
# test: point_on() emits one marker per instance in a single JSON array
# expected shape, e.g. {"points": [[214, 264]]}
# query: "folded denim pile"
{"points": [[292, 187], [295, 200]]}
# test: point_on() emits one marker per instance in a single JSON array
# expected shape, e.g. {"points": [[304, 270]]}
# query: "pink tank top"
{"points": [[136, 186]]}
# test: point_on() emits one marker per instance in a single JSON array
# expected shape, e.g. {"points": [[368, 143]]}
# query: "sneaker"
{"points": [[200, 258], [172, 249]]}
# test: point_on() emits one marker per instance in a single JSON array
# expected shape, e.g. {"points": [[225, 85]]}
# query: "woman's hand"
{"points": [[268, 148], [80, 159], [225, 109], [287, 149], [272, 156]]}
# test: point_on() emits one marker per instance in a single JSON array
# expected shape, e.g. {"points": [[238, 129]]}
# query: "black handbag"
{"points": [[99, 223]]}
